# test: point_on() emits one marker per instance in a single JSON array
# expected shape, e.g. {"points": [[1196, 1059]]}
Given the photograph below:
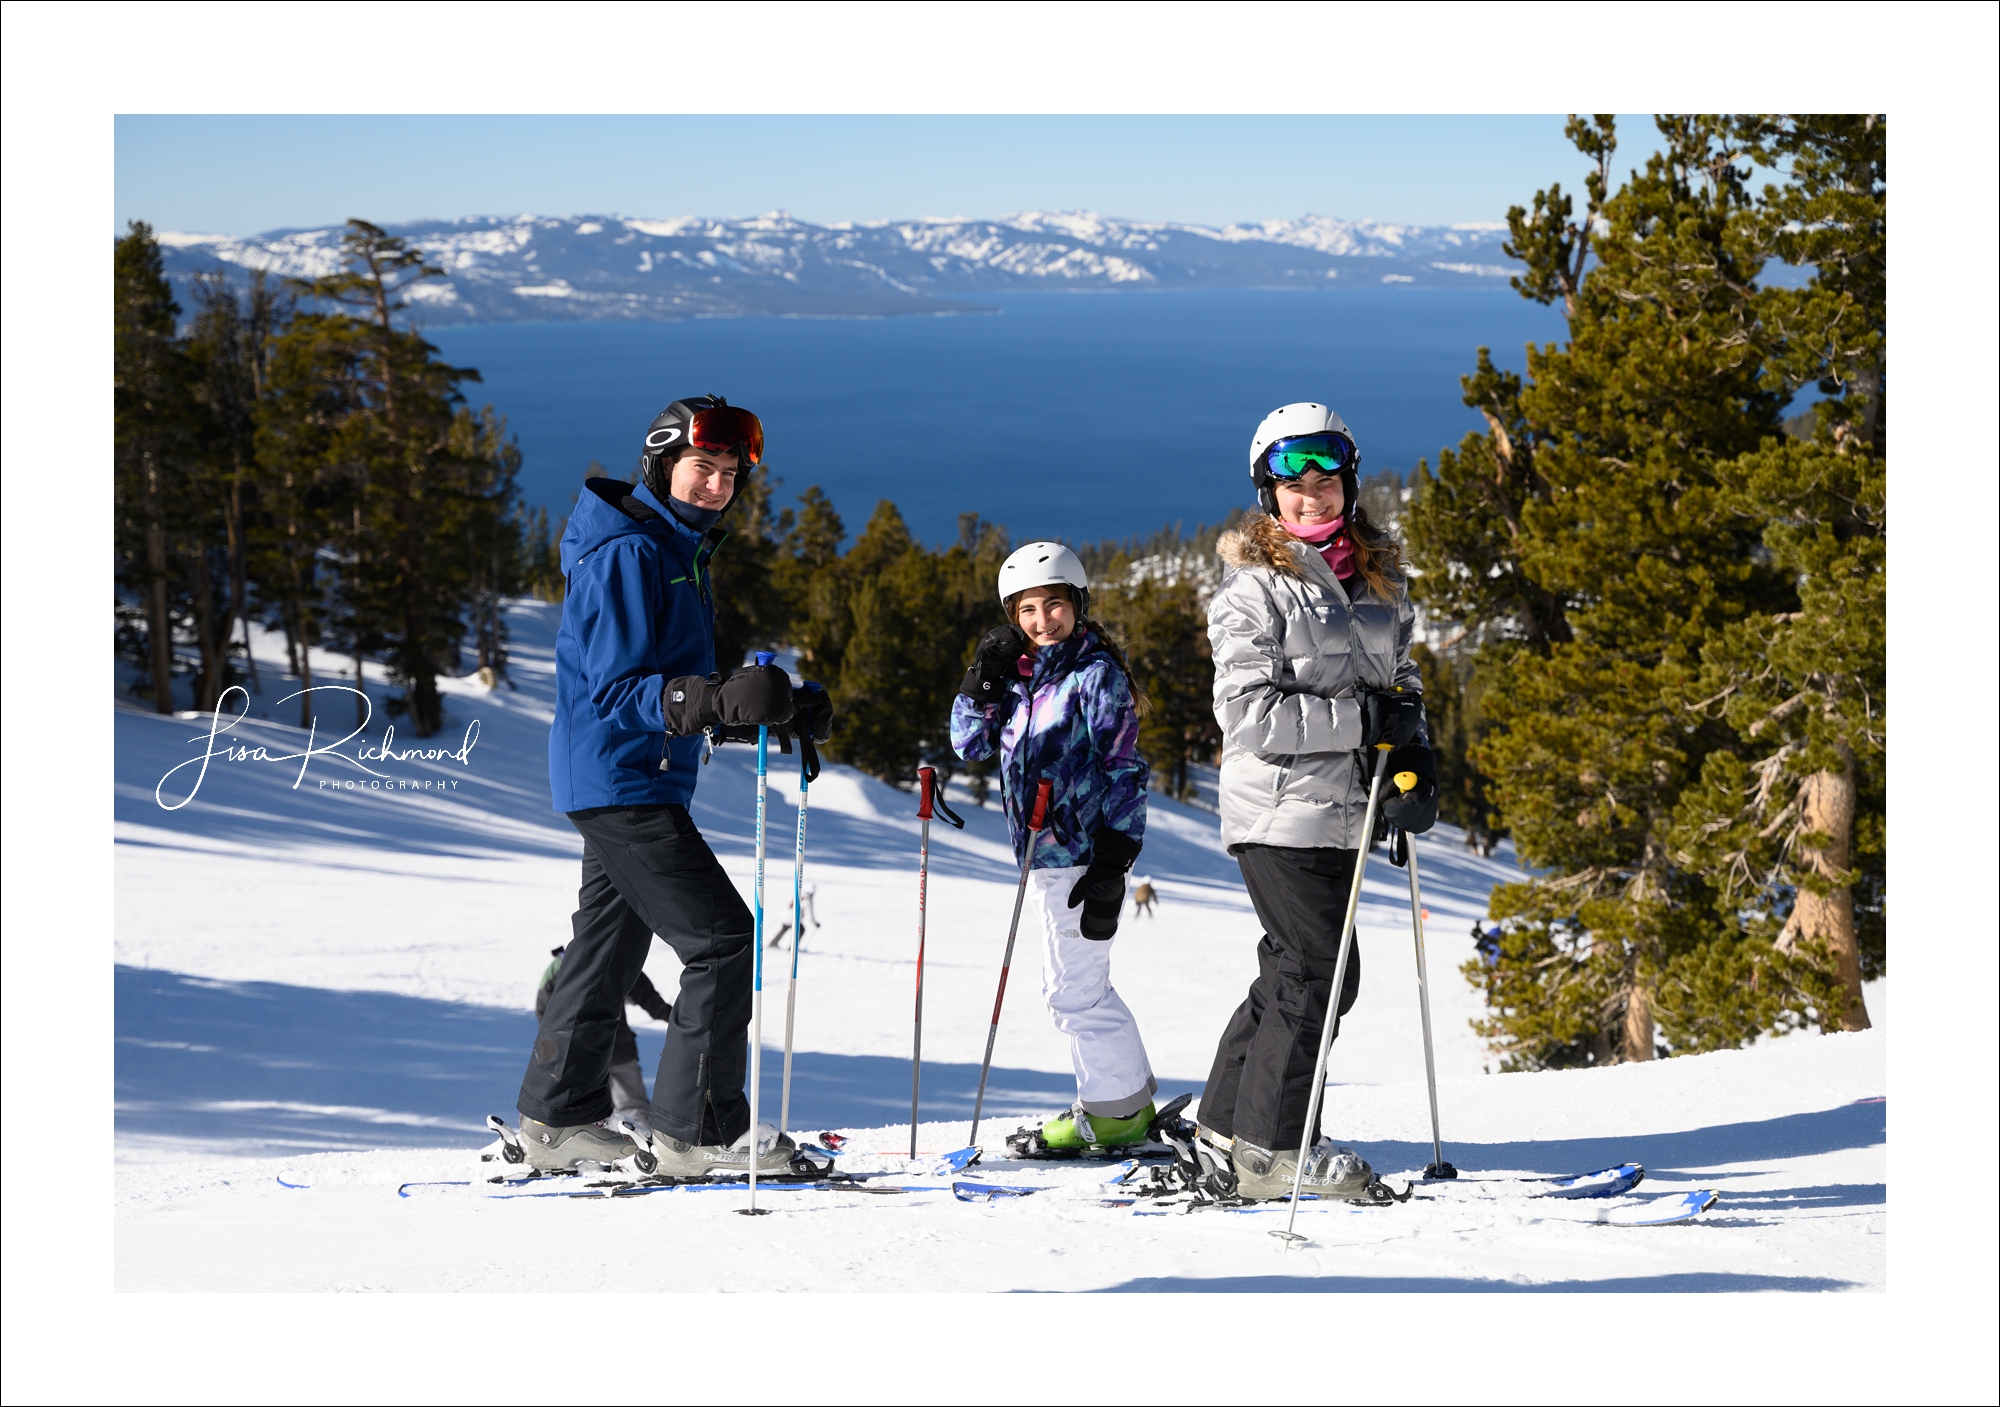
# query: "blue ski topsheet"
{"points": [[990, 1191], [1605, 1182], [1661, 1211]]}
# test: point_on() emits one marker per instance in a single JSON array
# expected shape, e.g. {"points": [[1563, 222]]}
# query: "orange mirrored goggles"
{"points": [[723, 428]]}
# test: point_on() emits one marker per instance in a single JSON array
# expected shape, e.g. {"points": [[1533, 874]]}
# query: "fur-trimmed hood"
{"points": [[1261, 542]]}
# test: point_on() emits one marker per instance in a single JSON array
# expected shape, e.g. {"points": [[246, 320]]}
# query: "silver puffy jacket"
{"points": [[1290, 648]]}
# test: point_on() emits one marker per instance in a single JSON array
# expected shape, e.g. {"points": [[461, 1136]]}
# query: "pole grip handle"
{"points": [[926, 780], [1040, 815], [766, 656], [1405, 781]]}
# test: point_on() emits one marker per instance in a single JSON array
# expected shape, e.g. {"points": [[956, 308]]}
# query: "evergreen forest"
{"points": [[1653, 586]]}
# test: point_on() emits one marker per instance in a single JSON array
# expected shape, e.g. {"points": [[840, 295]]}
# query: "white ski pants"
{"points": [[1113, 1076]]}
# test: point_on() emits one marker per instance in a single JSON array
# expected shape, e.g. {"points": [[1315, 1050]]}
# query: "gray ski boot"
{"points": [[550, 1148], [678, 1159], [1331, 1171]]}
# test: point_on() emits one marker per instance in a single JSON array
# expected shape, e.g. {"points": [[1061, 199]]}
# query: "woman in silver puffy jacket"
{"points": [[1310, 630]]}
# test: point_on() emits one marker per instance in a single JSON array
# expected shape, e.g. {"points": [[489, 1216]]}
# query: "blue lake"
{"points": [[1074, 415]]}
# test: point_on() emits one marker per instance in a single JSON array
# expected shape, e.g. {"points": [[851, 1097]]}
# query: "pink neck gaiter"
{"points": [[1339, 552]]}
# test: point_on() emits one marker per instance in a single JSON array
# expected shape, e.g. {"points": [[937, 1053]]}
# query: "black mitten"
{"points": [[757, 695], [1390, 716], [995, 665], [1101, 888], [812, 712], [1415, 810]]}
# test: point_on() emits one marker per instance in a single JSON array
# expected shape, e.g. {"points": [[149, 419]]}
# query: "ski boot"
{"points": [[777, 1156], [1075, 1134], [1332, 1172], [549, 1148]]}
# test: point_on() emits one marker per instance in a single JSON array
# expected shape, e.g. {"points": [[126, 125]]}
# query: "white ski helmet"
{"points": [[1045, 564], [1289, 422]]}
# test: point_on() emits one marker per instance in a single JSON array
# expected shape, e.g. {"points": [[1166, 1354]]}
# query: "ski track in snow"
{"points": [[336, 985]]}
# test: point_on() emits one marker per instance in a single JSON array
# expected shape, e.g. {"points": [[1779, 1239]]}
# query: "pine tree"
{"points": [[750, 606], [155, 419], [230, 343], [897, 670], [1587, 537], [1788, 825], [424, 482], [811, 578]]}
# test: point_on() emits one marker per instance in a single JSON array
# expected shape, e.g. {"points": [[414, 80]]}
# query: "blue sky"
{"points": [[244, 175]]}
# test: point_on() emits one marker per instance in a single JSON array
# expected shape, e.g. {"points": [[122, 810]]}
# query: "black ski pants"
{"points": [[1261, 1083], [647, 870]]}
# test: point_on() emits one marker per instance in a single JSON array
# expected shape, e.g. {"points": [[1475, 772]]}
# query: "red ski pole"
{"points": [[1036, 820]]}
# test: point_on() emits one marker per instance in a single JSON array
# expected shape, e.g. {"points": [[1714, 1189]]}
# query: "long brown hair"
{"points": [[1378, 554], [1104, 637]]}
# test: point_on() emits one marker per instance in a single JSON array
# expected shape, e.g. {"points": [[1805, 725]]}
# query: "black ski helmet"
{"points": [[674, 429]]}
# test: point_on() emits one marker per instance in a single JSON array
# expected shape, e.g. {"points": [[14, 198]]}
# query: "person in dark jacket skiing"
{"points": [[637, 699], [628, 1081], [1310, 630]]}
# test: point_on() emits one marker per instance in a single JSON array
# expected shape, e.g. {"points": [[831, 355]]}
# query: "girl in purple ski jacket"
{"points": [[1050, 693]]}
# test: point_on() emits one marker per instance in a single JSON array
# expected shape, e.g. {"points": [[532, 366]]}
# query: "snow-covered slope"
{"points": [[531, 267], [329, 974]]}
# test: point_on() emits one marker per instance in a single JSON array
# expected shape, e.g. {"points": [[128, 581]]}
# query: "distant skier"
{"points": [[1053, 695], [627, 1082], [807, 891], [1486, 942], [1310, 629], [635, 693]]}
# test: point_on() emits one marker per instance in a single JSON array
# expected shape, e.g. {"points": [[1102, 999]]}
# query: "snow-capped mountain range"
{"points": [[594, 267]]}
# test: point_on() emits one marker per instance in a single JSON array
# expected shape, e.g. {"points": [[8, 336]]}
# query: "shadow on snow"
{"points": [[266, 1069]]}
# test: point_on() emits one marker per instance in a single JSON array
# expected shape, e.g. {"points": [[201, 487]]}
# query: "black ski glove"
{"points": [[1390, 716], [812, 712], [1415, 810], [757, 695], [995, 665], [1101, 889]]}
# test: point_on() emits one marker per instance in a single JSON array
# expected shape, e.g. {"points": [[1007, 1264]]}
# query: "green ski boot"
{"points": [[1075, 1133]]}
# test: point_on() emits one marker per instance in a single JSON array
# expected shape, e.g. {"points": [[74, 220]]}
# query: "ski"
{"points": [[991, 1191], [1604, 1182], [1660, 1211]]}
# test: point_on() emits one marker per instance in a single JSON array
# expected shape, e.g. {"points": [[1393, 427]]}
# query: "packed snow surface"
{"points": [[325, 979]]}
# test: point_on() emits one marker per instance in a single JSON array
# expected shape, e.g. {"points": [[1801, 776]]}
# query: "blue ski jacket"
{"points": [[1074, 722], [639, 610]]}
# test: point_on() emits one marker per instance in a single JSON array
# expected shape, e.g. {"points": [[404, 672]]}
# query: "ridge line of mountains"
{"points": [[535, 268]]}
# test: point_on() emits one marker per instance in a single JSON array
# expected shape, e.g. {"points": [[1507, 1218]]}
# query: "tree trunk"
{"points": [[239, 586], [159, 625], [209, 684], [1826, 803], [1636, 1039]]}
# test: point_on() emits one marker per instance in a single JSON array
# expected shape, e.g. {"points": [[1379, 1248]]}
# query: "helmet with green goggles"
{"points": [[1299, 439]]}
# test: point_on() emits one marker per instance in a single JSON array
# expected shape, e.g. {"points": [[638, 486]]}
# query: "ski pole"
{"points": [[1036, 819], [929, 797], [757, 962], [798, 926], [1439, 1168], [1333, 997]]}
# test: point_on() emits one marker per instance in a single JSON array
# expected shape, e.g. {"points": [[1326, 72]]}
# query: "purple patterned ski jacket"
{"points": [[1081, 732]]}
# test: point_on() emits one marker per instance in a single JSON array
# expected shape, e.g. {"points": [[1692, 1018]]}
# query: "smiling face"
{"points": [[1045, 615], [1311, 501], [705, 478]]}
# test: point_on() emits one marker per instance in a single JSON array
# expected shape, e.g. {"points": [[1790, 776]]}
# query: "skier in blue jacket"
{"points": [[637, 699]]}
